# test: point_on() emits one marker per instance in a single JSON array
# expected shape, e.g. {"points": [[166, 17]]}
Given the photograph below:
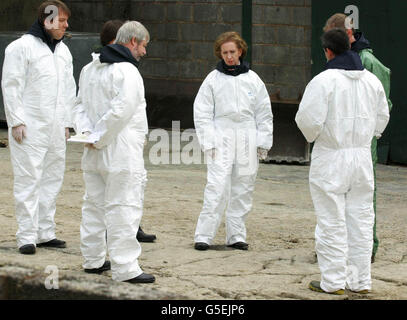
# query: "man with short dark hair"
{"points": [[342, 109], [109, 31], [361, 45], [39, 92]]}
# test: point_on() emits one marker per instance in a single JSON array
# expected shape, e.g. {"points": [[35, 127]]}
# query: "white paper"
{"points": [[83, 138]]}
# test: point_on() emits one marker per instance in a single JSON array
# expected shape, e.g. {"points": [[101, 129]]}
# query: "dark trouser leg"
{"points": [[375, 239], [374, 160]]}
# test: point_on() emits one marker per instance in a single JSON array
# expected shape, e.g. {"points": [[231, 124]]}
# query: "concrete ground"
{"points": [[278, 265]]}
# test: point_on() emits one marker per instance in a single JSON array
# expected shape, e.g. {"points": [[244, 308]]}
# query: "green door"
{"points": [[383, 23]]}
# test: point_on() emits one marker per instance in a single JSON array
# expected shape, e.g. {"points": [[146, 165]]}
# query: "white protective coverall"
{"points": [[341, 111], [95, 56], [39, 92], [111, 104], [232, 114]]}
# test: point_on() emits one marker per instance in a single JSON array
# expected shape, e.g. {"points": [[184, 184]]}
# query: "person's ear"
{"points": [[330, 53], [349, 32]]}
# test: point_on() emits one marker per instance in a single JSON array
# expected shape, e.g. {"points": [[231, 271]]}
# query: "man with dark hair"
{"points": [[361, 45], [335, 41], [107, 36], [39, 92], [342, 109], [109, 31]]}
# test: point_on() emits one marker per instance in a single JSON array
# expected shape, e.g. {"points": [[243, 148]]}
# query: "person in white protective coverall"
{"points": [[234, 124], [108, 36], [111, 107], [39, 91], [342, 109]]}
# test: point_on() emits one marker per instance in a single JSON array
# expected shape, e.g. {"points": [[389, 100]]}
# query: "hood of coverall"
{"points": [[38, 30], [361, 42], [349, 63], [116, 53]]}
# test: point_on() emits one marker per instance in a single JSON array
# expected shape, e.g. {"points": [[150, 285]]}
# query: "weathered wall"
{"points": [[282, 46], [180, 53], [17, 15]]}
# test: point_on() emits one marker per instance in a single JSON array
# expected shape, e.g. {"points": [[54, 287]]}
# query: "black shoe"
{"points": [[144, 237], [27, 249], [316, 286], [142, 278], [54, 243], [104, 267], [202, 246], [372, 260], [239, 245]]}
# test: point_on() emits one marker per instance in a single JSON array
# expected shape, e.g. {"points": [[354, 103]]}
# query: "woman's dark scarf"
{"points": [[234, 71]]}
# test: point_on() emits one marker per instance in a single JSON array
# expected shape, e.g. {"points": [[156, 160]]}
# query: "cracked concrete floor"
{"points": [[280, 261]]}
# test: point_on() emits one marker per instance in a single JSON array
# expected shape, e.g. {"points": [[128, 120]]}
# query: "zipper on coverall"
{"points": [[57, 93]]}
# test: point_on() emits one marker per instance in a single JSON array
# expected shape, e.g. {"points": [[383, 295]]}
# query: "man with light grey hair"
{"points": [[130, 30], [110, 109], [125, 36]]}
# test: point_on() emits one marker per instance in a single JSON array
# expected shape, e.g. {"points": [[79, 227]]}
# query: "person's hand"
{"points": [[211, 153], [262, 153], [67, 133], [19, 133], [90, 146]]}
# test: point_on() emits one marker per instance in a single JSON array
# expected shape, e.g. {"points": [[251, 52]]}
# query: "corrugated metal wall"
{"points": [[383, 24]]}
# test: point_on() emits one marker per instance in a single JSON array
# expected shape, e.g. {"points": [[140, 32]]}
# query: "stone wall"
{"points": [[282, 47], [17, 15], [180, 53]]}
